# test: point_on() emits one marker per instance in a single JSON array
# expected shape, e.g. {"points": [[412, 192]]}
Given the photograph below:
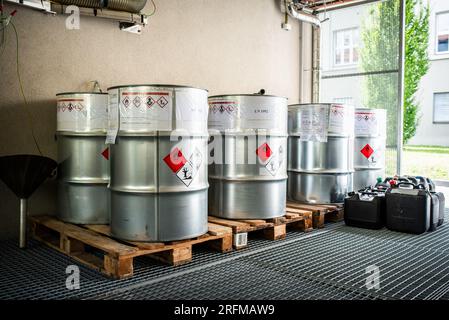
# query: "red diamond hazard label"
{"points": [[367, 151], [105, 153], [264, 152], [175, 160]]}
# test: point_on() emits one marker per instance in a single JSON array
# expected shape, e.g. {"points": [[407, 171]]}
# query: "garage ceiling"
{"points": [[318, 5]]}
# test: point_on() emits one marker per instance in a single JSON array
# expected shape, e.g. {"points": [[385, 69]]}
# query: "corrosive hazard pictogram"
{"points": [[175, 160], [264, 152], [367, 151]]}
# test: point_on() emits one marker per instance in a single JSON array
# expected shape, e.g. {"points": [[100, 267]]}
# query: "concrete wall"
{"points": [[229, 46], [435, 81]]}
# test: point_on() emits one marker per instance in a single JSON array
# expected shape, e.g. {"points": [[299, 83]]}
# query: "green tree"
{"points": [[416, 60], [380, 52]]}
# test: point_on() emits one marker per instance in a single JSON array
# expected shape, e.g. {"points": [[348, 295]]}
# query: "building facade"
{"points": [[433, 94], [343, 77]]}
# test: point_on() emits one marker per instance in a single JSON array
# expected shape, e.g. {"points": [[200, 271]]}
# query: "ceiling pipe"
{"points": [[300, 15]]}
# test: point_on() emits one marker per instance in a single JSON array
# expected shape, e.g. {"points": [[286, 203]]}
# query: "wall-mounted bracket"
{"points": [[44, 6], [130, 22]]}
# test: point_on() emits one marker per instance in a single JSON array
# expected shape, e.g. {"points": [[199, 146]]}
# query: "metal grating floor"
{"points": [[324, 264]]}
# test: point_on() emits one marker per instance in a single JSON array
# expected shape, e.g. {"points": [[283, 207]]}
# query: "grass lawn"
{"points": [[431, 161]]}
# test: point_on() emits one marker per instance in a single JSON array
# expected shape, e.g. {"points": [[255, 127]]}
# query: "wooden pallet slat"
{"points": [[273, 228], [321, 213], [118, 255]]}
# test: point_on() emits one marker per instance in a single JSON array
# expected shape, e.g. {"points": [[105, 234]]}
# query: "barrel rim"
{"points": [[156, 85], [320, 104], [80, 92], [369, 109], [246, 95]]}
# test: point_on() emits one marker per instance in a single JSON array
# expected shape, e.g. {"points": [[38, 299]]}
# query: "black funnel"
{"points": [[24, 173]]}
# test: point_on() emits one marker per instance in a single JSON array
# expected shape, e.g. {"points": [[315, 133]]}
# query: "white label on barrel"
{"points": [[191, 110], [340, 119], [222, 113], [256, 114], [313, 124], [81, 112], [113, 118], [366, 123], [146, 110], [71, 112]]}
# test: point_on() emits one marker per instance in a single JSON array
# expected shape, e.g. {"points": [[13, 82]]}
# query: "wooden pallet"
{"points": [[321, 213], [93, 245], [273, 229]]}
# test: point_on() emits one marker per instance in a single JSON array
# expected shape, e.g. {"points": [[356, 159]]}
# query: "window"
{"points": [[441, 107], [346, 47], [442, 32], [345, 100]]}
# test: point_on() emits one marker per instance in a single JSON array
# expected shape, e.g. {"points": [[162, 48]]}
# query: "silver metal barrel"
{"points": [[83, 170], [248, 172], [369, 146], [320, 152], [158, 162]]}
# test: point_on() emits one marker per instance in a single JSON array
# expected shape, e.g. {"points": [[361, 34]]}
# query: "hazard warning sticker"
{"points": [[341, 119], [271, 158], [275, 162], [184, 170], [222, 113], [196, 159], [146, 109], [175, 160], [264, 152], [105, 153], [367, 151], [186, 174]]}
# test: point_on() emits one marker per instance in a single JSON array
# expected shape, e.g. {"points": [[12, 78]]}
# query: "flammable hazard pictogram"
{"points": [[126, 102], [175, 160], [367, 151], [105, 153], [264, 152]]}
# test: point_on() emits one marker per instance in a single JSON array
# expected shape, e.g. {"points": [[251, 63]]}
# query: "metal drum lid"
{"points": [[138, 109], [81, 112], [237, 113], [370, 122], [315, 122]]}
